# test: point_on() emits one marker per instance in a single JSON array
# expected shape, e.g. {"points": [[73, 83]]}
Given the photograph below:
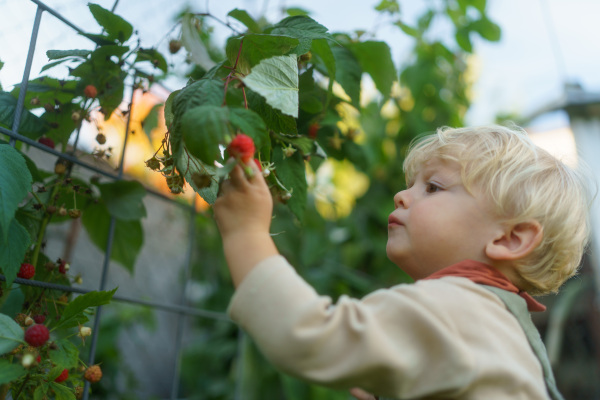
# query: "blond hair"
{"points": [[522, 182]]}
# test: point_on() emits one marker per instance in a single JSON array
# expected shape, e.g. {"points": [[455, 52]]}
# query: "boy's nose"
{"points": [[401, 199]]}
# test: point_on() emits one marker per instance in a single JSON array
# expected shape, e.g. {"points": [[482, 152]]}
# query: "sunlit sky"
{"points": [[544, 44]]}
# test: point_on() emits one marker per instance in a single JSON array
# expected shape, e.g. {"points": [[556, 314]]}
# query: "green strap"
{"points": [[518, 307]]}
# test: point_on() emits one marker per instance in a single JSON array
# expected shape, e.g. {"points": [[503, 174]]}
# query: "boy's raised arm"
{"points": [[243, 212]]}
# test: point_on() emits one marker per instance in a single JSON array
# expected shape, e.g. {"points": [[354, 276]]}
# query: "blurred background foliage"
{"points": [[339, 245]]}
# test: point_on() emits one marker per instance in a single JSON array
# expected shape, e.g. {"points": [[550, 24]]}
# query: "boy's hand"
{"points": [[360, 394], [244, 203], [243, 213]]}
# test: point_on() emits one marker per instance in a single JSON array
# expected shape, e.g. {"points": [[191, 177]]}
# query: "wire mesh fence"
{"points": [[180, 309]]}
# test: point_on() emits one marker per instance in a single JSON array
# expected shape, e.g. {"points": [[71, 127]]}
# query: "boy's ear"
{"points": [[516, 241]]}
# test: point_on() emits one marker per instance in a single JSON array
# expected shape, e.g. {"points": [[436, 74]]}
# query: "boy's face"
{"points": [[437, 222]]}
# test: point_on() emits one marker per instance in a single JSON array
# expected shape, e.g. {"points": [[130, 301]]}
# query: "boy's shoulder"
{"points": [[451, 296]]}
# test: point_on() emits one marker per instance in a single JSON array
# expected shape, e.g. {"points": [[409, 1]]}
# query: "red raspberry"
{"points": [[63, 267], [37, 335], [46, 141], [241, 147], [93, 374], [313, 129], [39, 319], [27, 271], [90, 91], [63, 376]]}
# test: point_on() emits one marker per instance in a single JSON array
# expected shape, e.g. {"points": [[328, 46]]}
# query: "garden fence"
{"points": [[181, 309]]}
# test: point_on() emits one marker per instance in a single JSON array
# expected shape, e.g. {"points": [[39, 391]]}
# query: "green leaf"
{"points": [[15, 183], [276, 79], [390, 6], [463, 39], [348, 73], [311, 95], [245, 18], [11, 334], [375, 58], [66, 354], [31, 125], [192, 169], [154, 57], [291, 172], [102, 53], [112, 94], [322, 50], [41, 391], [12, 251], [13, 303], [202, 92], [73, 313], [61, 392], [304, 144], [479, 5], [168, 111], [61, 124], [293, 11], [124, 199], [47, 90], [116, 28], [10, 372], [303, 28], [487, 29], [250, 123], [192, 41], [99, 39], [203, 129], [128, 238], [58, 54], [408, 29], [255, 48], [274, 119]]}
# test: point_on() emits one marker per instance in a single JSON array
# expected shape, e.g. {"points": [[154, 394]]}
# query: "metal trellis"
{"points": [[180, 309]]}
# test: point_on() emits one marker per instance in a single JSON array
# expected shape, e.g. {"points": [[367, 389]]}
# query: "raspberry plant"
{"points": [[42, 330], [273, 83]]}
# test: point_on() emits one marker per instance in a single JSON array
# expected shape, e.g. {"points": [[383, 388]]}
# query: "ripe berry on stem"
{"points": [[27, 271], [63, 376], [241, 148], [46, 141], [37, 335]]}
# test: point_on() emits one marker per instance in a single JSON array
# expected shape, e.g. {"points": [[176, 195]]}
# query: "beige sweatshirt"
{"points": [[447, 338]]}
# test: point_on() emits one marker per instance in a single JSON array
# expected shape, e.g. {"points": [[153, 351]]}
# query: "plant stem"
{"points": [[42, 231]]}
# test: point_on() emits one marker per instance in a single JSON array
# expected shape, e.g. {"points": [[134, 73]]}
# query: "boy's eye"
{"points": [[431, 187]]}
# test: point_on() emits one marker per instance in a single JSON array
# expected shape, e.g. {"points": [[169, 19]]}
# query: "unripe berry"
{"points": [[90, 91], [28, 360], [174, 46], [101, 138], [93, 374]]}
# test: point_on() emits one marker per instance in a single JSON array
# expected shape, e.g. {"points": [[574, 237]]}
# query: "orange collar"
{"points": [[484, 274]]}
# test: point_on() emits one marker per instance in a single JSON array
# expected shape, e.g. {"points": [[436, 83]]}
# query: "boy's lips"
{"points": [[392, 221]]}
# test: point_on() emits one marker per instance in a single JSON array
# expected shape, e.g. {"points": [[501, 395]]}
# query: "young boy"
{"points": [[486, 219]]}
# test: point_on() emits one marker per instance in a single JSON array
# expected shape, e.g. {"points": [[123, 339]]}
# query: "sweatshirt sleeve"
{"points": [[393, 342]]}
